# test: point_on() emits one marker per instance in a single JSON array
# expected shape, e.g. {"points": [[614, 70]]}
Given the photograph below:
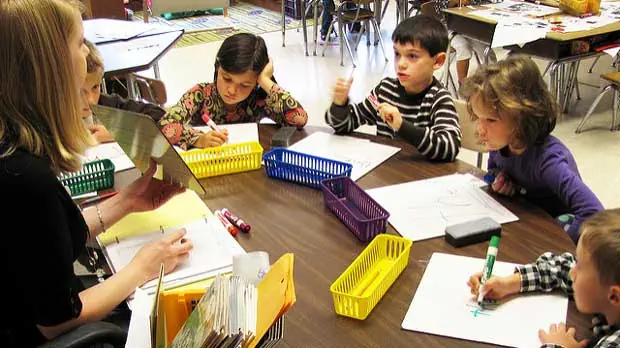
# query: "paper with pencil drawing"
{"points": [[443, 305], [111, 151], [363, 154], [422, 209]]}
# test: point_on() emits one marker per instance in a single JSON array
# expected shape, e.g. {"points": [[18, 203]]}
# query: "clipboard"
{"points": [[142, 139]]}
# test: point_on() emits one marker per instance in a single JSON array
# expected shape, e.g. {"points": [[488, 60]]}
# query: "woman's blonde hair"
{"points": [[514, 88], [39, 102]]}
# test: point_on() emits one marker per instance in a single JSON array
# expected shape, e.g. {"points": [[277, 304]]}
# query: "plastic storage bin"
{"points": [[362, 285], [226, 159], [355, 208], [94, 176], [303, 169]]}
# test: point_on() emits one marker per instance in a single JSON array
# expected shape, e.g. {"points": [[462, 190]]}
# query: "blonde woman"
{"points": [[42, 67]]}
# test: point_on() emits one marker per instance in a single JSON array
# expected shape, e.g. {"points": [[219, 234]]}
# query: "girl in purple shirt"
{"points": [[516, 114]]}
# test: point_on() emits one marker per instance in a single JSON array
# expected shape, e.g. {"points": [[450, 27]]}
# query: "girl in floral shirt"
{"points": [[244, 91]]}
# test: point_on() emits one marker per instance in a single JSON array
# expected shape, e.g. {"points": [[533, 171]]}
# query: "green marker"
{"points": [[488, 267]]}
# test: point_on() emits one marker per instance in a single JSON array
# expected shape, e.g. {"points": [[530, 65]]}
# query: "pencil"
{"points": [[98, 198]]}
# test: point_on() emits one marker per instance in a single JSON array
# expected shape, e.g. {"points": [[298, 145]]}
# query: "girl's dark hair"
{"points": [[240, 53], [514, 88]]}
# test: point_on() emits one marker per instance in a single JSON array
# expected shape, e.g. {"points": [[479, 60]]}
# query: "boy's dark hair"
{"points": [[240, 53], [515, 89], [427, 31]]}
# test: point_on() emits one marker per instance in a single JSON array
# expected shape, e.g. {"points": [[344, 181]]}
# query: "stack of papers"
{"points": [[225, 316], [111, 151], [423, 209]]}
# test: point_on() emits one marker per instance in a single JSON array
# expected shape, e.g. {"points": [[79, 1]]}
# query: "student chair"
{"points": [[95, 334], [469, 137], [360, 13], [613, 85], [150, 90]]}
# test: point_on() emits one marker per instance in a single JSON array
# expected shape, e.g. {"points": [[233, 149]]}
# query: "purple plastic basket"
{"points": [[355, 208]]}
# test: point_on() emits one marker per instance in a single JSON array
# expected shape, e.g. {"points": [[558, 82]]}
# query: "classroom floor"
{"points": [[310, 80]]}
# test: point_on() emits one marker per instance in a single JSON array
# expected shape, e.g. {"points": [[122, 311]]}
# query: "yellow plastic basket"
{"points": [[225, 159], [362, 285]]}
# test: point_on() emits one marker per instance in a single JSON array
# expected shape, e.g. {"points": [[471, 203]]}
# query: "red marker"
{"points": [[210, 122], [231, 229], [236, 220]]}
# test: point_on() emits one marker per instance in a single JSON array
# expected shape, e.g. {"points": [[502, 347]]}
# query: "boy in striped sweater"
{"points": [[414, 106]]}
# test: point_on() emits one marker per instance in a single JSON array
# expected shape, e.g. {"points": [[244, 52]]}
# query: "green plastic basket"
{"points": [[93, 176]]}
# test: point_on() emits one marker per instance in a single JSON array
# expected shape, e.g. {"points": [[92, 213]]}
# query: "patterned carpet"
{"points": [[242, 17]]}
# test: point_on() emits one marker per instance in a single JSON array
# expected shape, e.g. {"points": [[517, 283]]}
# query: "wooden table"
{"points": [[290, 218], [555, 46]]}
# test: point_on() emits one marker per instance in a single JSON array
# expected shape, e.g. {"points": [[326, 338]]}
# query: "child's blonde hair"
{"points": [[600, 237], [94, 61], [514, 88], [39, 102]]}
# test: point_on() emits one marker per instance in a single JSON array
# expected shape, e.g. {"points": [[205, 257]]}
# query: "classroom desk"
{"points": [[140, 53], [286, 217], [555, 47]]}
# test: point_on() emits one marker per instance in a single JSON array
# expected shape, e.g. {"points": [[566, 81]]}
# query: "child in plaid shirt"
{"points": [[593, 282]]}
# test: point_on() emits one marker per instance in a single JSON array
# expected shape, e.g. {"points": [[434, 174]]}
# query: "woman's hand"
{"points": [[148, 193], [170, 250]]}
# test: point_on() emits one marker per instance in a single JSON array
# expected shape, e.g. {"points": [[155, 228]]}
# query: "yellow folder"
{"points": [[276, 294], [181, 209]]}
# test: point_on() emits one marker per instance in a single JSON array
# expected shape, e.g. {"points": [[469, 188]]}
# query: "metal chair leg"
{"points": [[315, 8], [614, 110], [479, 160], [593, 106], [284, 24], [329, 32], [346, 42], [376, 28], [593, 64]]}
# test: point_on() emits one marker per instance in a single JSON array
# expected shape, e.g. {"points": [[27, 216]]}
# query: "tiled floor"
{"points": [[310, 80]]}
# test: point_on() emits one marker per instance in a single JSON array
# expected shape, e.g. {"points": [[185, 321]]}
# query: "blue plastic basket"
{"points": [[303, 169]]}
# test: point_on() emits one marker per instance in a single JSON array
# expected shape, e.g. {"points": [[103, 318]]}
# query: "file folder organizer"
{"points": [[221, 160], [354, 207], [362, 285], [303, 169], [94, 176], [179, 304]]}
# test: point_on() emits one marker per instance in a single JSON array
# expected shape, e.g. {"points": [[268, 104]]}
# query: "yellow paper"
{"points": [[276, 294], [181, 209]]}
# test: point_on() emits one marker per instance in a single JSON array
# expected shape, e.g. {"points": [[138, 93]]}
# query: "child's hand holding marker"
{"points": [[390, 115], [495, 288], [503, 185]]}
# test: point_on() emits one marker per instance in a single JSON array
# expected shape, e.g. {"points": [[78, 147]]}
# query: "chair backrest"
{"points": [[469, 139], [429, 9], [151, 90]]}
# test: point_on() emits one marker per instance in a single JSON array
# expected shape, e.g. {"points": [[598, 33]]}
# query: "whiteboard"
{"points": [[443, 305]]}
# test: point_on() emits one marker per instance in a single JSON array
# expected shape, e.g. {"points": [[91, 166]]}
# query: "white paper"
{"points": [[518, 32], [363, 154], [102, 30], [422, 209], [213, 252], [111, 151], [237, 133], [139, 332], [526, 8], [443, 305], [613, 52]]}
